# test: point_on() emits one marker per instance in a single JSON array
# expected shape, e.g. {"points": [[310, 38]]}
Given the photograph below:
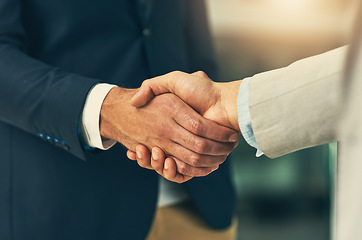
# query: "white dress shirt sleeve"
{"points": [[89, 127], [244, 116]]}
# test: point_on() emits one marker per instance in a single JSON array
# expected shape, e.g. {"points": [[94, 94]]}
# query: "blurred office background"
{"points": [[290, 197]]}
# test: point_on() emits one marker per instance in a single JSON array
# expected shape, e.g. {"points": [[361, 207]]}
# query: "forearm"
{"points": [[39, 98], [36, 97], [298, 106]]}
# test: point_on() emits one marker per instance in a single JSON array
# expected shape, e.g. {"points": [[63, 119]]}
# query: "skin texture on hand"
{"points": [[170, 124], [215, 101]]}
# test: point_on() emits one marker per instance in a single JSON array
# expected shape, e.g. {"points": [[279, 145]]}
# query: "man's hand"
{"points": [[215, 101], [170, 124], [166, 167]]}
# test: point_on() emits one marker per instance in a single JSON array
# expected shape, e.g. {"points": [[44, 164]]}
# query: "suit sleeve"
{"points": [[40, 99], [298, 106]]}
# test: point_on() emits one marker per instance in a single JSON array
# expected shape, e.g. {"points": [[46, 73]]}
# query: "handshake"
{"points": [[180, 125]]}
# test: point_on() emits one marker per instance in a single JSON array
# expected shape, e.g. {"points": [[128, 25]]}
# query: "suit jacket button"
{"points": [[50, 139], [146, 32], [41, 135]]}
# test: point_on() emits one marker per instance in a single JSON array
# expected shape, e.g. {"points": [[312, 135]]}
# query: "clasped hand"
{"points": [[201, 145]]}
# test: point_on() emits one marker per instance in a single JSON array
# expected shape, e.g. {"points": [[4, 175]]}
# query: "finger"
{"points": [[143, 95], [192, 158], [158, 160], [149, 89], [199, 144], [193, 122], [131, 155], [143, 156], [171, 174], [187, 170], [166, 167], [156, 86]]}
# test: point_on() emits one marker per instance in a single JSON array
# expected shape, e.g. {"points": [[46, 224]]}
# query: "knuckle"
{"points": [[145, 83], [182, 169], [176, 73], [196, 126], [200, 146], [195, 160], [202, 73]]}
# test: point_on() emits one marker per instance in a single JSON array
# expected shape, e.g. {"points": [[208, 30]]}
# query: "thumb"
{"points": [[155, 86], [143, 96]]}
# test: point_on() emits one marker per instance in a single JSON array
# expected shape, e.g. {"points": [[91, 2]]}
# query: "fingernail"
{"points": [[155, 157], [234, 137], [167, 166], [139, 155]]}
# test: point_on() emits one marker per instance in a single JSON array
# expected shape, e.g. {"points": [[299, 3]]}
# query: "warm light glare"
{"points": [[297, 19], [291, 5]]}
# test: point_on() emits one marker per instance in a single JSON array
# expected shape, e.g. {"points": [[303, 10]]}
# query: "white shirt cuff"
{"points": [[244, 117], [91, 115]]}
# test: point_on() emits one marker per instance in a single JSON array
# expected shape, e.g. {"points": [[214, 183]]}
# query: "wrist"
{"points": [[116, 106], [229, 94]]}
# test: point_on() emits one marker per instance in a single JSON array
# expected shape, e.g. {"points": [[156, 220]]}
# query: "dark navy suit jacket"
{"points": [[51, 54]]}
